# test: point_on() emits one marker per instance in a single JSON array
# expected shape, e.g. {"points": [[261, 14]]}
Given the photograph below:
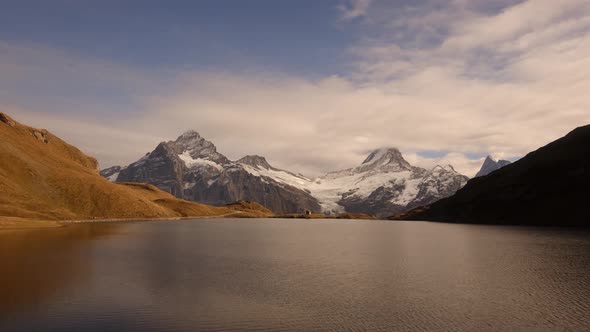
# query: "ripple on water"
{"points": [[277, 275]]}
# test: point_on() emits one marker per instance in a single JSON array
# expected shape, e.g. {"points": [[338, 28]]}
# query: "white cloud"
{"points": [[458, 160], [462, 79], [526, 18]]}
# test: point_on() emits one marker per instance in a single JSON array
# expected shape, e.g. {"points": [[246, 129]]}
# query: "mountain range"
{"points": [[45, 178], [548, 186], [191, 168]]}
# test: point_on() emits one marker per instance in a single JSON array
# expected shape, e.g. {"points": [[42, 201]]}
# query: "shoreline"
{"points": [[22, 224], [80, 221]]}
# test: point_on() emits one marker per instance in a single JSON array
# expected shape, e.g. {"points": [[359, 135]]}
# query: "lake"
{"points": [[291, 275]]}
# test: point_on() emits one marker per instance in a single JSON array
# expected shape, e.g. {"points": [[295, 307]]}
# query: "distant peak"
{"points": [[386, 159], [255, 161], [390, 153], [191, 139], [194, 145], [490, 164]]}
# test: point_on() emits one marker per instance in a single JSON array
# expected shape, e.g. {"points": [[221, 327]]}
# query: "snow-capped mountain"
{"points": [[490, 165], [191, 168], [385, 183]]}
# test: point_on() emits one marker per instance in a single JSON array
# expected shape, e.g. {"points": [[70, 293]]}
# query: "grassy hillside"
{"points": [[250, 209], [44, 178]]}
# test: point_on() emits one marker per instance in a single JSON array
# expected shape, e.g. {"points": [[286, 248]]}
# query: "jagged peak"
{"points": [[384, 159], [387, 152], [192, 144], [385, 156], [191, 140], [490, 164], [255, 161], [189, 134], [490, 159]]}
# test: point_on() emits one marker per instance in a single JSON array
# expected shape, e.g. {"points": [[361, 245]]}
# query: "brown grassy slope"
{"points": [[355, 216], [43, 177], [250, 209]]}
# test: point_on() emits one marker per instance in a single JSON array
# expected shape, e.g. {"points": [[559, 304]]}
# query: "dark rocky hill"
{"points": [[549, 186]]}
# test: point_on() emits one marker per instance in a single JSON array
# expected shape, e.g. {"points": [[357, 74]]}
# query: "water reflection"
{"points": [[36, 265], [297, 275]]}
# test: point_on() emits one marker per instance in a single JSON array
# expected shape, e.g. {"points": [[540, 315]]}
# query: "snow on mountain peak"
{"points": [[385, 157], [378, 154], [191, 144]]}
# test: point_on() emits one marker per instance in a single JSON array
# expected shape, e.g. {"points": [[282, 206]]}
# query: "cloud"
{"points": [[530, 18], [353, 9], [459, 161], [467, 78]]}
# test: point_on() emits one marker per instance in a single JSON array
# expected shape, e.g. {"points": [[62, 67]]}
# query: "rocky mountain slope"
{"points": [[191, 168], [44, 178], [547, 187], [490, 165]]}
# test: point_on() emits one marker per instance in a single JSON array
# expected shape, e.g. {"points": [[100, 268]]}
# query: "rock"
{"points": [[41, 135], [5, 119]]}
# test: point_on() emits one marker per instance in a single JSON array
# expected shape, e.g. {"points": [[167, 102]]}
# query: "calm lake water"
{"points": [[290, 275]]}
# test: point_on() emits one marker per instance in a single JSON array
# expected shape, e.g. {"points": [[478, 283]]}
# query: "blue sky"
{"points": [[312, 85], [304, 37]]}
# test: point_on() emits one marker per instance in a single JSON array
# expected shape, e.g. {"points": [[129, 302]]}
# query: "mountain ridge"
{"points": [[211, 178]]}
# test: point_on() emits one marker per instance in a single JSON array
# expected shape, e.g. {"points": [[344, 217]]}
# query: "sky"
{"points": [[312, 85]]}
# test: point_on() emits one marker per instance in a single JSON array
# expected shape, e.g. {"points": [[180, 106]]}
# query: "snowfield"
{"points": [[191, 162], [384, 168]]}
